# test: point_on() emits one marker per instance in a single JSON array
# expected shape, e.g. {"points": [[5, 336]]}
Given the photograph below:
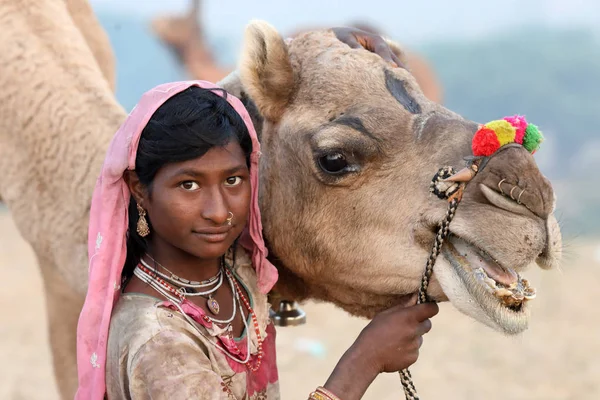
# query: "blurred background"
{"points": [[540, 58]]}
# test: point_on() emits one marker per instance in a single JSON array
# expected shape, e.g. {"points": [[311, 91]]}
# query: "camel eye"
{"points": [[334, 163]]}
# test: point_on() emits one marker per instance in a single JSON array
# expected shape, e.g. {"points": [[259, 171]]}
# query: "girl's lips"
{"points": [[213, 235]]}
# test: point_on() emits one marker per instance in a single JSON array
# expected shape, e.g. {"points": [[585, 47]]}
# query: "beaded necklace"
{"points": [[186, 288], [177, 297]]}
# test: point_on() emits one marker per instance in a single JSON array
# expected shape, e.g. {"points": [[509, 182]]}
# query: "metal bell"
{"points": [[289, 314]]}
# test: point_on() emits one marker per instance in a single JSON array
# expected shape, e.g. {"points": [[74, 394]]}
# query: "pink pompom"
{"points": [[520, 124]]}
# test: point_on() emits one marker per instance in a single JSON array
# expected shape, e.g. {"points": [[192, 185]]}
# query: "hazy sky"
{"points": [[411, 20]]}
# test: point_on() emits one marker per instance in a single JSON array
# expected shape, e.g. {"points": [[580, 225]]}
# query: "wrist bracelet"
{"points": [[323, 394]]}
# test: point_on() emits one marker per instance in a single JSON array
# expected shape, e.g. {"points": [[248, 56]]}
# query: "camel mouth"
{"points": [[476, 267]]}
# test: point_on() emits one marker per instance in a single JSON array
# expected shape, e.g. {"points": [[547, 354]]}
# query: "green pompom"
{"points": [[533, 138]]}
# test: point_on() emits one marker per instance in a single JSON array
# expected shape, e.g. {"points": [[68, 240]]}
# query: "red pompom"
{"points": [[485, 142]]}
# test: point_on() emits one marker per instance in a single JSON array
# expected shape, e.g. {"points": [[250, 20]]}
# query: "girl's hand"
{"points": [[392, 340], [389, 343]]}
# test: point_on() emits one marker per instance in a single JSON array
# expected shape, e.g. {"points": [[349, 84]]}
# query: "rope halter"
{"points": [[447, 184]]}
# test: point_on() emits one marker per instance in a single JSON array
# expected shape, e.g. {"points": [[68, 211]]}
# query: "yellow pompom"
{"points": [[504, 130]]}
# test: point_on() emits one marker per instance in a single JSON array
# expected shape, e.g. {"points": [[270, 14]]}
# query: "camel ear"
{"points": [[265, 70], [233, 85], [397, 50]]}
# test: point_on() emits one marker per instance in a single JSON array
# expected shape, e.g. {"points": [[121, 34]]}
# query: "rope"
{"points": [[452, 192]]}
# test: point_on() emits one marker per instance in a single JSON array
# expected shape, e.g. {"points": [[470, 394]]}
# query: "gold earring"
{"points": [[142, 225], [229, 218]]}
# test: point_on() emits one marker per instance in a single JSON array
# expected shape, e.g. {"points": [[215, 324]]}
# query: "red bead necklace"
{"points": [[242, 297], [254, 321]]}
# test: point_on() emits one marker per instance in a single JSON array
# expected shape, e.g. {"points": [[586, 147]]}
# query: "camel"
{"points": [[361, 142], [184, 35], [57, 118], [349, 147]]}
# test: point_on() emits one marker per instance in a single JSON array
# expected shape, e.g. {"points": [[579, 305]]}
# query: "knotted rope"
{"points": [[487, 141], [453, 193]]}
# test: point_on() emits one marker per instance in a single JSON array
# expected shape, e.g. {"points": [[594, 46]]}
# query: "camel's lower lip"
{"points": [[507, 287]]}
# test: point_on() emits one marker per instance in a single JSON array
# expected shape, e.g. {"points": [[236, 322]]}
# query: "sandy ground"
{"points": [[557, 358]]}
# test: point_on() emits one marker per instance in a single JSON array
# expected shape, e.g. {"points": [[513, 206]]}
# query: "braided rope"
{"points": [[454, 196], [452, 191]]}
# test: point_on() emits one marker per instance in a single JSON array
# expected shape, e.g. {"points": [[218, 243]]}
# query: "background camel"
{"points": [[57, 118], [185, 35], [61, 113]]}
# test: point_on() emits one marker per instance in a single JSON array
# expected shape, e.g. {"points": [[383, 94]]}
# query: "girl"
{"points": [[176, 306]]}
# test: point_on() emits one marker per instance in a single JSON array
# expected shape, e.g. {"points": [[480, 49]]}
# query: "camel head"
{"points": [[350, 145]]}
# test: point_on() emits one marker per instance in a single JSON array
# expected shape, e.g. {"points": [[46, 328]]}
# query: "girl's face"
{"points": [[191, 201]]}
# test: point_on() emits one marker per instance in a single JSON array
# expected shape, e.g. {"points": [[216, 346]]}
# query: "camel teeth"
{"points": [[502, 292], [518, 296], [491, 283]]}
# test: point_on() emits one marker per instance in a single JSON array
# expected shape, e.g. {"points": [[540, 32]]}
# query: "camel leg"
{"points": [[426, 77], [178, 32], [183, 34], [63, 307]]}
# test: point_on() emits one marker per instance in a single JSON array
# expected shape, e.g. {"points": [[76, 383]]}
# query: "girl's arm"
{"points": [[389, 343]]}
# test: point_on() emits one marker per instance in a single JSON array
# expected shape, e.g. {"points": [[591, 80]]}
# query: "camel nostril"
{"points": [[545, 262], [550, 257]]}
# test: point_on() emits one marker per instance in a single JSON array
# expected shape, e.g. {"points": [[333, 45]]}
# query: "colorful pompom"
{"points": [[504, 130], [485, 142], [533, 138], [520, 124], [495, 134]]}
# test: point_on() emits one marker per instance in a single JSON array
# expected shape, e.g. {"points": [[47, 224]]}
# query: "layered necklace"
{"points": [[162, 283], [194, 288]]}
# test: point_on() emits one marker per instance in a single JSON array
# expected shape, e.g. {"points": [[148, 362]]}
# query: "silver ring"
{"points": [[500, 187], [511, 191], [520, 194]]}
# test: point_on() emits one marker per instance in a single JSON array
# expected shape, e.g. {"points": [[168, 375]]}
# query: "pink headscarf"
{"points": [[108, 230]]}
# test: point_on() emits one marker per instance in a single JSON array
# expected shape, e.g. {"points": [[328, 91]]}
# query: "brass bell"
{"points": [[289, 314]]}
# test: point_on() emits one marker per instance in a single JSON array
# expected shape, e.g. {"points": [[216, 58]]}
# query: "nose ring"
{"points": [[229, 218]]}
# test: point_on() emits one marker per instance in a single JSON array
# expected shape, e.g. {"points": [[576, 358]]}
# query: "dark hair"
{"points": [[185, 127]]}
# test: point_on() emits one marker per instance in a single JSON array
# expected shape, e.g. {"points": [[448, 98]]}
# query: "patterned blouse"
{"points": [[154, 353]]}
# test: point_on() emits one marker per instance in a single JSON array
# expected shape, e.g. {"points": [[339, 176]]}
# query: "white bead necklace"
{"points": [[176, 300], [179, 280]]}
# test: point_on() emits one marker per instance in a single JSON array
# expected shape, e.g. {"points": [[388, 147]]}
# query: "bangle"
{"points": [[322, 394]]}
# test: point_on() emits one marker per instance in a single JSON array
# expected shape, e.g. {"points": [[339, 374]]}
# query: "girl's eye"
{"points": [[190, 185], [233, 181]]}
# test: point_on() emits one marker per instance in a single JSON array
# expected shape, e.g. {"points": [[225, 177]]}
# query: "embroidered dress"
{"points": [[154, 353]]}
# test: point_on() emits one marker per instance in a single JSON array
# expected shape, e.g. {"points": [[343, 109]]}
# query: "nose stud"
{"points": [[229, 218]]}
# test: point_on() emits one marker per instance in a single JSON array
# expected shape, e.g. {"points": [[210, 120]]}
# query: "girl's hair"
{"points": [[185, 127]]}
